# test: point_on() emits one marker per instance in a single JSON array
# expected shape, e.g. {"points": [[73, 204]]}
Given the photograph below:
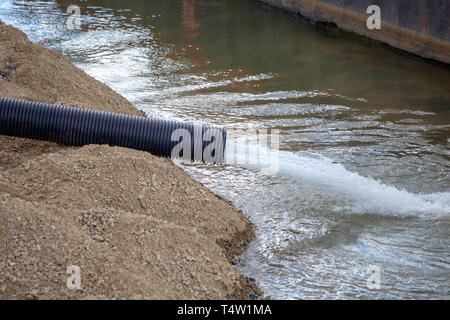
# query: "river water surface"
{"points": [[363, 183]]}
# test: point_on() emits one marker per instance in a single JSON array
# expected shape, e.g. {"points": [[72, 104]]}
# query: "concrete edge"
{"points": [[396, 36]]}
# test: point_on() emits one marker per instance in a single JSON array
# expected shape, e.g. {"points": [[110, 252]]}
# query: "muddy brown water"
{"points": [[363, 184]]}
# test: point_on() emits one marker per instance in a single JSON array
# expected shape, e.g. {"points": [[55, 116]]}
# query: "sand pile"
{"points": [[136, 225]]}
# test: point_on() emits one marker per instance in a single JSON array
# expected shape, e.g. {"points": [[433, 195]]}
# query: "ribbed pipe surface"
{"points": [[77, 127]]}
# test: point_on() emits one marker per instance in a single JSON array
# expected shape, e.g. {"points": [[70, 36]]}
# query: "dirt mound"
{"points": [[32, 72], [136, 225]]}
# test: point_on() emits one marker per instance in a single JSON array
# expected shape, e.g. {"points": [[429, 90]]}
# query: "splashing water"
{"points": [[368, 194], [379, 118]]}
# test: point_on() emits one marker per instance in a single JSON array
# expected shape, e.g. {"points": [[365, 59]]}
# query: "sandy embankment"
{"points": [[136, 225]]}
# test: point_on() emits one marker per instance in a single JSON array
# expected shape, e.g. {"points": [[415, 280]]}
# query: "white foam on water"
{"points": [[365, 194]]}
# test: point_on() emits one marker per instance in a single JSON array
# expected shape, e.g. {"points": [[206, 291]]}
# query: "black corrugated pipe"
{"points": [[77, 127]]}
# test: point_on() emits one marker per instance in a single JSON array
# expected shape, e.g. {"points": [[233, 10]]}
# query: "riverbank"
{"points": [[417, 27], [136, 225]]}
